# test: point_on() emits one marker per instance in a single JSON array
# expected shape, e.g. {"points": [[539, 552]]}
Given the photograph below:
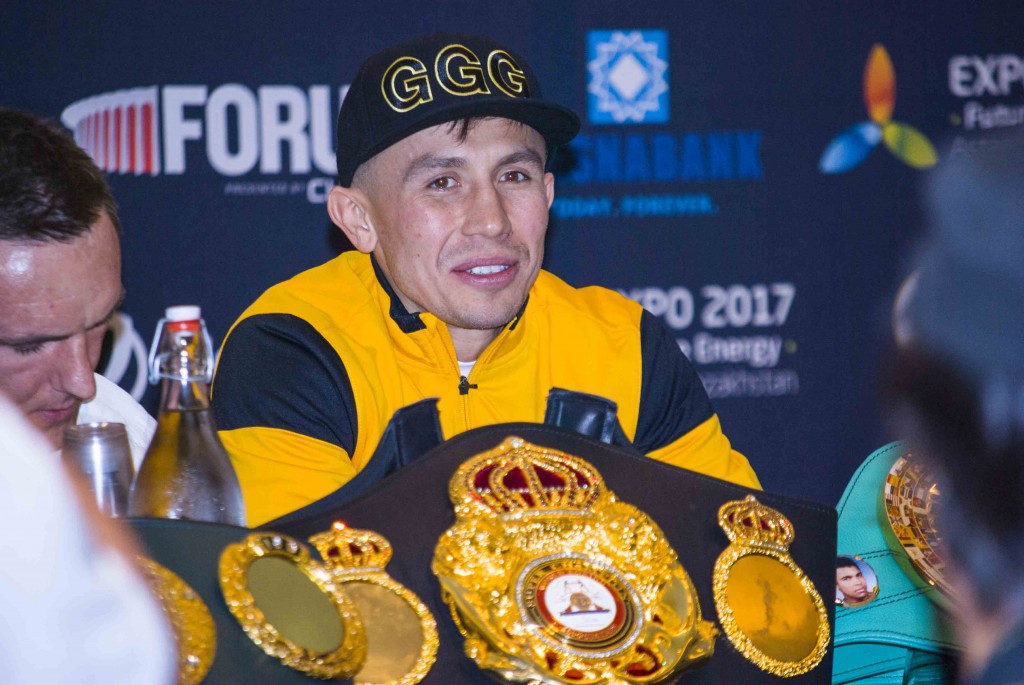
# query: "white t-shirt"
{"points": [[114, 405], [74, 611]]}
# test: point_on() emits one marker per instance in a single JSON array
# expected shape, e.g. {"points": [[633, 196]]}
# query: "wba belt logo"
{"points": [[161, 129], [409, 83]]}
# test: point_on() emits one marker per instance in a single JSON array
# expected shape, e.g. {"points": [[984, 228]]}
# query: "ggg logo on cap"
{"points": [[852, 146], [407, 82]]}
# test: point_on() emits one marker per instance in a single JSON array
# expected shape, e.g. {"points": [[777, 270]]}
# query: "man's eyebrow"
{"points": [[428, 161], [113, 310], [523, 157], [37, 339]]}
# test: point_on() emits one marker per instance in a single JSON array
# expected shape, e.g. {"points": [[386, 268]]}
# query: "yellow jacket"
{"points": [[312, 372]]}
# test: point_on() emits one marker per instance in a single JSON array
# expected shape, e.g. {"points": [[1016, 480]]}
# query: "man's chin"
{"points": [[482, 323], [487, 315], [53, 426]]}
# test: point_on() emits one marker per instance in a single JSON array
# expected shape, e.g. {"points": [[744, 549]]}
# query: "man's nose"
{"points": [[75, 372], [488, 215]]}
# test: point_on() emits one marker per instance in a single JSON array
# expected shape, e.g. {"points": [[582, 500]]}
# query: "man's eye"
{"points": [[443, 183], [515, 176], [31, 348]]}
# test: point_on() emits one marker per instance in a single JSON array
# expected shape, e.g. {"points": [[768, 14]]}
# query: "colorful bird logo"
{"points": [[852, 146]]}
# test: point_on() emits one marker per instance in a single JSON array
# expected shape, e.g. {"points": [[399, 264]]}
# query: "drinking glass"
{"points": [[101, 454]]}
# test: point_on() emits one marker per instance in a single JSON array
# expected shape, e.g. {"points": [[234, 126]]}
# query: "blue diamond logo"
{"points": [[628, 77]]}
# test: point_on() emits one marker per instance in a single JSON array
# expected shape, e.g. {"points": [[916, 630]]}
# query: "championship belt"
{"points": [[551, 579]]}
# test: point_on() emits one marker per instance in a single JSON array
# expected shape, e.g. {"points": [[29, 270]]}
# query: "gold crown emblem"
{"points": [[342, 547], [518, 477], [748, 522]]}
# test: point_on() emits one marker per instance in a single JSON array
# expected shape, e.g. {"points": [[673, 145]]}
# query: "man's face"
{"points": [[851, 583], [55, 302], [460, 225]]}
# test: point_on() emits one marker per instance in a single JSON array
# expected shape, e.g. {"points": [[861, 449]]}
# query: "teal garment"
{"points": [[898, 637], [881, 664]]}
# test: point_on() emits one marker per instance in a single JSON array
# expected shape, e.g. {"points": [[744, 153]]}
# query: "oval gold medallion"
{"points": [[768, 607], [290, 606], [771, 607], [195, 634], [401, 634]]}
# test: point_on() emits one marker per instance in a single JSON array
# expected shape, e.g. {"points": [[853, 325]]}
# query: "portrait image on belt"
{"points": [[856, 582], [444, 149]]}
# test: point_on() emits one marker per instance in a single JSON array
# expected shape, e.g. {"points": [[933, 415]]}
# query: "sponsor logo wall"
{"points": [[750, 177]]}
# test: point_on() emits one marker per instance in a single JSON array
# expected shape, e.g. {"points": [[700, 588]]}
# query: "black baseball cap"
{"points": [[435, 79]]}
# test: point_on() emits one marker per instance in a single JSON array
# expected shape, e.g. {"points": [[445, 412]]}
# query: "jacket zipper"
{"points": [[465, 386]]}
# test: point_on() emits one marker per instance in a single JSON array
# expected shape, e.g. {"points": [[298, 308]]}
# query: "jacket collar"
{"points": [[408, 322]]}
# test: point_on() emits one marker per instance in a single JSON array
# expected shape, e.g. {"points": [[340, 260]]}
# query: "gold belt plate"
{"points": [[552, 579]]}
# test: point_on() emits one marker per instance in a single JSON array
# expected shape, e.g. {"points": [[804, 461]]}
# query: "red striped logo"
{"points": [[118, 130]]}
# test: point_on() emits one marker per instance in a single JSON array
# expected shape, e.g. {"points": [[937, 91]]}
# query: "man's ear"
{"points": [[349, 209]]}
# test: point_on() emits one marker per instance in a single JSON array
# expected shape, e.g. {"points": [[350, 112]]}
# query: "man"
{"points": [[60, 282], [850, 581], [443, 190], [84, 613], [957, 391]]}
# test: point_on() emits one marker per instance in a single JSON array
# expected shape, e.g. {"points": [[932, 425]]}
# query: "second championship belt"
{"points": [[552, 579]]}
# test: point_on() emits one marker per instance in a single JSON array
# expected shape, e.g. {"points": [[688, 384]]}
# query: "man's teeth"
{"points": [[486, 270]]}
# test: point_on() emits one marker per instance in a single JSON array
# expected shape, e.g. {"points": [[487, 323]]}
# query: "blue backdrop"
{"points": [[748, 171]]}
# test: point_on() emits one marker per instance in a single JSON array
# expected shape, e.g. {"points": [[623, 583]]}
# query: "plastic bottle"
{"points": [[186, 473]]}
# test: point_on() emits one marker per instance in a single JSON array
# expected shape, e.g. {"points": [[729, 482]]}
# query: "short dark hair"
{"points": [[845, 562], [50, 189]]}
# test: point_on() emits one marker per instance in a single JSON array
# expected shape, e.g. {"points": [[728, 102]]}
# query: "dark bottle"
{"points": [[186, 473]]}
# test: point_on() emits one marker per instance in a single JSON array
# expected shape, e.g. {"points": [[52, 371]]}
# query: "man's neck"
{"points": [[470, 342]]}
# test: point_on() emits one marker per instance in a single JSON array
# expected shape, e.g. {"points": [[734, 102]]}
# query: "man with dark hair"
{"points": [[443, 146], [850, 580], [84, 613], [957, 390], [60, 282]]}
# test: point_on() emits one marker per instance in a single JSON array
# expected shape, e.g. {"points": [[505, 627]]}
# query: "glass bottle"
{"points": [[186, 473]]}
